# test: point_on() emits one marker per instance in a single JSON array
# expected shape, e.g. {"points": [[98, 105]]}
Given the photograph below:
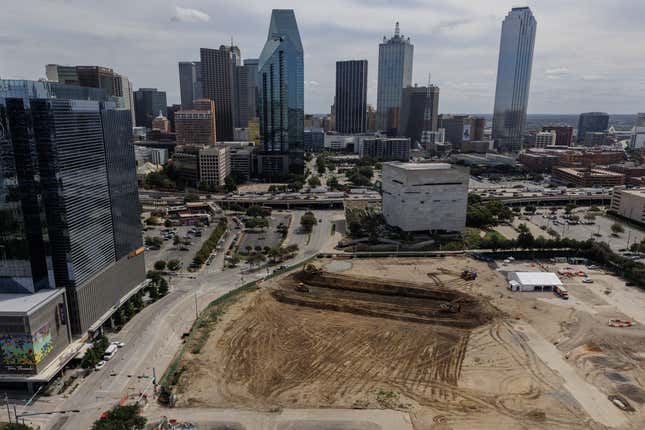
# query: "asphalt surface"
{"points": [[153, 336]]}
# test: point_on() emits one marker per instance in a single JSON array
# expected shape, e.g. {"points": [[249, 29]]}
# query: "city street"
{"points": [[153, 336]]}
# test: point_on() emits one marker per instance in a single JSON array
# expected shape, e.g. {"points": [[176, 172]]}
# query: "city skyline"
{"points": [[455, 41]]}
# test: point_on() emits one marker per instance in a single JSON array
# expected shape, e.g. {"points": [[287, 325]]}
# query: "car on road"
{"points": [[100, 365], [587, 281], [118, 343]]}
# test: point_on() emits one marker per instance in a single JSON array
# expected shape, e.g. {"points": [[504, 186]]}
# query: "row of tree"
{"points": [[210, 244]]}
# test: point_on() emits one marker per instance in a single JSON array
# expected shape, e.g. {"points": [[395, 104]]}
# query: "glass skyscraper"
{"points": [[513, 78], [351, 96], [394, 74], [190, 83], [148, 102], [69, 209], [592, 122], [280, 82]]}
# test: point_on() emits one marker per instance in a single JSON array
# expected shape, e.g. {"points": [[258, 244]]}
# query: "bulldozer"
{"points": [[469, 275]]}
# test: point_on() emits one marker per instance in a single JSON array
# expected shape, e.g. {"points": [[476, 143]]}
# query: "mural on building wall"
{"points": [[43, 343], [24, 352]]}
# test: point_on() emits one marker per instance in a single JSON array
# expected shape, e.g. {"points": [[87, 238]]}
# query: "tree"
{"points": [[121, 418], [153, 220], [230, 185], [570, 207], [308, 221], [258, 211], [274, 254], [333, 183], [590, 216], [234, 260], [314, 181], [163, 287], [16, 426], [617, 228], [525, 239], [321, 165], [174, 265], [256, 258], [153, 241], [530, 209], [160, 265], [167, 223], [190, 197]]}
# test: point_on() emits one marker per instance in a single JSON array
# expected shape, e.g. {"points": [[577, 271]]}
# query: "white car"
{"points": [[100, 365], [587, 281], [118, 344]]}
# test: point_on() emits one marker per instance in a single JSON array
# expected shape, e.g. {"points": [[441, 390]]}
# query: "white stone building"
{"points": [[425, 196], [214, 164]]}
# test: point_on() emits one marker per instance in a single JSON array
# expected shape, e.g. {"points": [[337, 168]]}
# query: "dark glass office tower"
{"points": [[148, 102], [281, 97], [419, 112], [513, 78], [394, 73], [246, 91], [591, 122], [190, 83], [351, 96], [218, 69], [70, 199]]}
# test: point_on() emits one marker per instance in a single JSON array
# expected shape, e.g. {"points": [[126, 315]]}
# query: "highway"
{"points": [[153, 336]]}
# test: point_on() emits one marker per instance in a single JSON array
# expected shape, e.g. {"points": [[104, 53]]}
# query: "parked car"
{"points": [[118, 343], [100, 365]]}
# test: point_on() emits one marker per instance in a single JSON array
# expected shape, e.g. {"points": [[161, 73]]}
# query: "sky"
{"points": [[589, 54]]}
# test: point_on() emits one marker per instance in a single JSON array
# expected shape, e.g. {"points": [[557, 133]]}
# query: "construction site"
{"points": [[442, 340]]}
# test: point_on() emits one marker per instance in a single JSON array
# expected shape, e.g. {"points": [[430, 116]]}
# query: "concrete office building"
{"points": [[513, 78], [148, 104], [586, 177], [351, 96], [591, 122], [116, 85], [190, 83], [314, 140], [595, 138], [638, 134], [75, 217], [196, 126], [425, 197], [144, 154], [246, 89], [628, 203], [281, 98], [462, 128], [545, 138], [218, 83], [419, 112], [161, 123], [563, 133], [394, 73], [241, 155], [214, 165], [385, 149]]}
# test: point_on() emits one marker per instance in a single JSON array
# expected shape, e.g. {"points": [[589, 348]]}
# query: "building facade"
{"points": [[72, 219], [590, 122], [425, 197], [638, 134], [462, 128], [385, 149], [628, 203], [595, 138], [196, 126], [314, 140], [563, 133], [246, 92], [419, 112], [148, 104], [351, 96], [281, 98], [586, 177], [218, 83], [190, 83], [214, 165], [513, 78], [545, 138], [394, 73]]}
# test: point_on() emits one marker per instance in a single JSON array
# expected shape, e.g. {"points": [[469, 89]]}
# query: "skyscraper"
{"points": [[394, 74], [196, 126], [281, 97], [638, 133], [70, 215], [415, 103], [592, 122], [148, 104], [246, 89], [218, 83], [513, 78], [351, 96], [190, 83]]}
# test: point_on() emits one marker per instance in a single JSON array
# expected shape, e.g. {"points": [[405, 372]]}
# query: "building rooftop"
{"points": [[637, 192], [26, 303], [538, 278], [421, 166]]}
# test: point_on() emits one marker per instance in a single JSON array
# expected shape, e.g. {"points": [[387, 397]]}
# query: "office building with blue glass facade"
{"points": [[280, 82], [513, 78]]}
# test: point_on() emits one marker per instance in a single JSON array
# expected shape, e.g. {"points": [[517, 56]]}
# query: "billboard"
{"points": [[43, 344], [466, 134]]}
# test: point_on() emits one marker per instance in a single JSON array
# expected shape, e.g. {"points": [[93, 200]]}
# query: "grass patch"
{"points": [[492, 233], [472, 237]]}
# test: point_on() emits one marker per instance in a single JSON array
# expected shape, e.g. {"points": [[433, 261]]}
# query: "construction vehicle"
{"points": [[302, 288], [561, 292], [469, 275]]}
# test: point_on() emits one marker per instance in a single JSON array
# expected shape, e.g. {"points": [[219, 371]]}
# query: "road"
{"points": [[153, 336]]}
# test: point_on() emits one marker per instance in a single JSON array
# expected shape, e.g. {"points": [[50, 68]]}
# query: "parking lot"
{"points": [[168, 251], [268, 238]]}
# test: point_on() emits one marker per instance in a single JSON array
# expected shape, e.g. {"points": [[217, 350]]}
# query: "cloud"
{"points": [[557, 72], [312, 83], [189, 15], [449, 24]]}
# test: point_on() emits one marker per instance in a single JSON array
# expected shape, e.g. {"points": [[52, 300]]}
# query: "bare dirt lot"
{"points": [[497, 360]]}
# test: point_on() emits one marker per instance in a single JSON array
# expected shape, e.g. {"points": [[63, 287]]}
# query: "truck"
{"points": [[561, 292], [109, 352]]}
